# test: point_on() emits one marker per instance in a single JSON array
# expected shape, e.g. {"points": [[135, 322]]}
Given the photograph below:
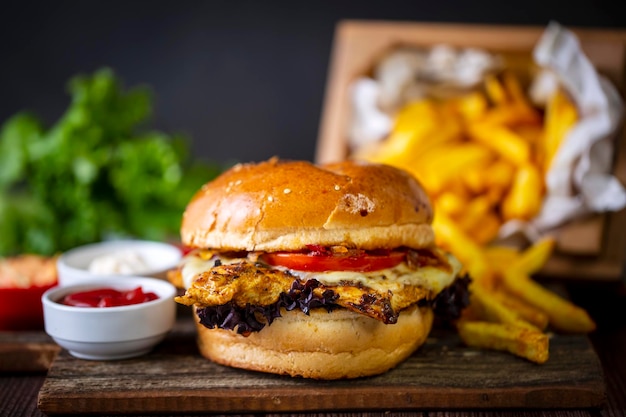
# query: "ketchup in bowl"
{"points": [[108, 297]]}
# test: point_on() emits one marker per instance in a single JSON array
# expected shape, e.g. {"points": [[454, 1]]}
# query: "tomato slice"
{"points": [[323, 262]]}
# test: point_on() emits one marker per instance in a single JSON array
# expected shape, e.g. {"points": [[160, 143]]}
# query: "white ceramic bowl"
{"points": [[73, 265], [108, 333]]}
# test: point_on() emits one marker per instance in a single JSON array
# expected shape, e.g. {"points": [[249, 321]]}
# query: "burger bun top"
{"points": [[280, 205]]}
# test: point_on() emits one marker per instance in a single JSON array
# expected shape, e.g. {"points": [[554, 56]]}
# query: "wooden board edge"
{"points": [[290, 400], [27, 357]]}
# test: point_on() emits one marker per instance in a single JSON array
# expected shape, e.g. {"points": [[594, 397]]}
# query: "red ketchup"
{"points": [[108, 297]]}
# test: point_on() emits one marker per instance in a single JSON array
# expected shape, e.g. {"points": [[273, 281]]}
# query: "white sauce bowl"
{"points": [[73, 265], [110, 333]]}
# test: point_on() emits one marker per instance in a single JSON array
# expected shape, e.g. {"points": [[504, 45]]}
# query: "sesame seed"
{"points": [[287, 190], [337, 187], [270, 198]]}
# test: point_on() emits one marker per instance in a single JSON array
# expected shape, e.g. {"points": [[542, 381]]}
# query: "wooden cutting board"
{"points": [[26, 351], [443, 374]]}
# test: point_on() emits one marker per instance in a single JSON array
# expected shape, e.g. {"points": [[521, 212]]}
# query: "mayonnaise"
{"points": [[126, 262]]}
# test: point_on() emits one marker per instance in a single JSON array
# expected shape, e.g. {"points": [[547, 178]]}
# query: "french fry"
{"points": [[491, 309], [396, 150], [561, 115], [475, 212], [531, 133], [501, 140], [525, 197], [526, 343], [534, 257], [415, 128], [501, 257], [486, 230], [474, 179], [495, 90], [526, 312], [447, 163], [452, 238], [563, 315], [450, 203], [496, 195], [512, 106], [478, 221], [424, 119], [510, 115], [520, 100], [513, 88], [499, 174], [415, 116], [471, 106]]}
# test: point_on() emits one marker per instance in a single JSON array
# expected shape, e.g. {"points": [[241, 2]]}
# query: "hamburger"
{"points": [[321, 272]]}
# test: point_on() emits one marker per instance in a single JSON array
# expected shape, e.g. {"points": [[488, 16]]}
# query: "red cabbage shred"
{"points": [[447, 306]]}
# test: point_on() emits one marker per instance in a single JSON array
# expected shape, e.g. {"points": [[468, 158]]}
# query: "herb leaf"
{"points": [[95, 173]]}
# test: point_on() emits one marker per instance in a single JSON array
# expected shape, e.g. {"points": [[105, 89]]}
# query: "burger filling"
{"points": [[246, 291]]}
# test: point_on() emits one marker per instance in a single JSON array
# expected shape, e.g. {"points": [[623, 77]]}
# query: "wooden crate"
{"points": [[593, 248]]}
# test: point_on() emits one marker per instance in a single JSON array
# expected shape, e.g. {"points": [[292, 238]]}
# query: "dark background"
{"points": [[244, 80]]}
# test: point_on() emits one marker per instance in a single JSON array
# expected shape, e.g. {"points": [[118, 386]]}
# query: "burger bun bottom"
{"points": [[322, 345]]}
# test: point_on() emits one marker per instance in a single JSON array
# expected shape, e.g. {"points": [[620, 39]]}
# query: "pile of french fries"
{"points": [[510, 311], [482, 157]]}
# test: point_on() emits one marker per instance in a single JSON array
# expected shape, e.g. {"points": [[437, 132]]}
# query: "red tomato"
{"points": [[321, 262], [184, 249]]}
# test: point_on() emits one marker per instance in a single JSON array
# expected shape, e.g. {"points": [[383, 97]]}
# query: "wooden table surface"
{"points": [[606, 302]]}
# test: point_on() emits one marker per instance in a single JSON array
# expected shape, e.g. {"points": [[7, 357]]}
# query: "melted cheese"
{"points": [[193, 265], [392, 279]]}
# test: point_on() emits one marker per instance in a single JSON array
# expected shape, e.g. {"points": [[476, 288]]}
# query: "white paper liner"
{"points": [[579, 181]]}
